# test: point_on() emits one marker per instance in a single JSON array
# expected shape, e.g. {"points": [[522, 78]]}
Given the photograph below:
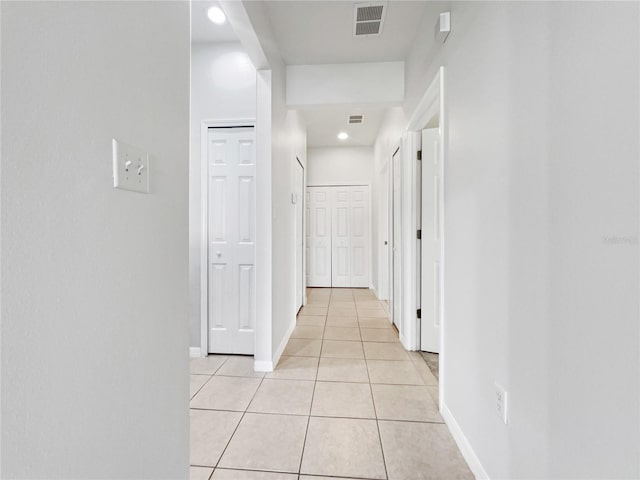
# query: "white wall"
{"points": [[387, 141], [541, 175], [288, 141], [94, 280], [340, 166], [223, 87]]}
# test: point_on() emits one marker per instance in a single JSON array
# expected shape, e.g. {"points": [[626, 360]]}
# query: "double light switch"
{"points": [[130, 167]]}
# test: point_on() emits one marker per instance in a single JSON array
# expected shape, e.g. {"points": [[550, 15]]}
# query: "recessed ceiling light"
{"points": [[343, 135], [216, 15]]}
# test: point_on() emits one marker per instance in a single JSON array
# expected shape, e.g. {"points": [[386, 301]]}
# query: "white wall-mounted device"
{"points": [[443, 27], [130, 167]]}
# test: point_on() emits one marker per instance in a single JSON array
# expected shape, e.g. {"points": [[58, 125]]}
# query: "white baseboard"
{"points": [[463, 444], [283, 344], [195, 352], [268, 366]]}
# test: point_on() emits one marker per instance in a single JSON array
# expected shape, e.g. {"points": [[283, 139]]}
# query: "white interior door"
{"points": [[318, 229], [299, 226], [359, 237], [341, 237], [430, 263], [396, 227], [231, 238]]}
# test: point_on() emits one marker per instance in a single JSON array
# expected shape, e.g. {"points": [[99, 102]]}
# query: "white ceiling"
{"points": [[203, 30], [316, 32], [324, 124]]}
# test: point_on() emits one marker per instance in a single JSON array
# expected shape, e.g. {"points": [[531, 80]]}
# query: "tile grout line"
{"points": [[313, 394], [375, 411], [238, 425]]}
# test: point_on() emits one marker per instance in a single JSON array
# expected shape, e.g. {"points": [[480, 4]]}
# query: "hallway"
{"points": [[346, 400]]}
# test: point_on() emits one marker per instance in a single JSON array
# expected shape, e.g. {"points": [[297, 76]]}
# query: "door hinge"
{"points": [[419, 312], [419, 234], [419, 155]]}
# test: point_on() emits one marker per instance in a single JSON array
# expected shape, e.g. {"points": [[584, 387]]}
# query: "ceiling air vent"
{"points": [[368, 18], [355, 119]]}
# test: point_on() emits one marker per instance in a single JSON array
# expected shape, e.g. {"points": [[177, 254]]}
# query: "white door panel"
{"points": [[359, 254], [430, 244], [231, 240], [341, 239], [396, 238], [318, 237], [300, 232]]}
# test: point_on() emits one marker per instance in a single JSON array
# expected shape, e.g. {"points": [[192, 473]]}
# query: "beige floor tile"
{"points": [[347, 303], [334, 399], [342, 349], [210, 433], [239, 366], [227, 474], [424, 371], [421, 451], [303, 347], [311, 320], [307, 331], [295, 368], [226, 393], [369, 322], [342, 321], [343, 370], [315, 477], [207, 365], [291, 397], [379, 335], [372, 312], [341, 298], [266, 442], [316, 299], [200, 473], [362, 303], [197, 381], [405, 402], [385, 351], [393, 372], [341, 333], [340, 311], [313, 310], [435, 395], [344, 447]]}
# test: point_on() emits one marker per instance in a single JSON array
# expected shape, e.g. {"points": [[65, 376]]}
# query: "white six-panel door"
{"points": [[430, 244], [359, 255], [318, 226], [338, 236], [232, 202], [341, 237]]}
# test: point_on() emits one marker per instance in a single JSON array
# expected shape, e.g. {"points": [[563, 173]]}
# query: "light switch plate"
{"points": [[130, 167]]}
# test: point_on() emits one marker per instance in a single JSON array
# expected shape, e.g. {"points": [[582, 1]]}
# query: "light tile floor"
{"points": [[346, 401]]}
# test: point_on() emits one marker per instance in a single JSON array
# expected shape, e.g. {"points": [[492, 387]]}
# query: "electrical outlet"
{"points": [[130, 167], [501, 403]]}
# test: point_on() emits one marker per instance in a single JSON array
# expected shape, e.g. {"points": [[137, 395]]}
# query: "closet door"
{"points": [[359, 233], [318, 232], [341, 237]]}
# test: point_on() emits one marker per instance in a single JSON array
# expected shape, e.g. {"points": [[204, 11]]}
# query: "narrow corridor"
{"points": [[345, 401]]}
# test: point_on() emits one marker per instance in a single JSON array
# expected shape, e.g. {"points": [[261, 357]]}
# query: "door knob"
{"points": [[218, 253]]}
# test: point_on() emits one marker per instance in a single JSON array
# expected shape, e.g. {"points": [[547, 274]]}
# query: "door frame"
{"points": [[204, 223], [432, 104], [370, 242], [304, 236], [391, 239]]}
